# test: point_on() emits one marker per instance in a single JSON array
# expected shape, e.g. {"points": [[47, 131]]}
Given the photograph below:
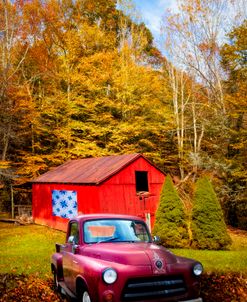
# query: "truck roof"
{"points": [[105, 216]]}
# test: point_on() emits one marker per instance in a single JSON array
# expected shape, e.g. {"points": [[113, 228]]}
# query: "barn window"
{"points": [[64, 203], [141, 181]]}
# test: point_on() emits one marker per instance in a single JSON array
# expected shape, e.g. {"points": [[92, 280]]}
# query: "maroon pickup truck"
{"points": [[112, 258]]}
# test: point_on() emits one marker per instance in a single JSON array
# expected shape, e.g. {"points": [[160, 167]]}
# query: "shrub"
{"points": [[208, 226], [170, 223]]}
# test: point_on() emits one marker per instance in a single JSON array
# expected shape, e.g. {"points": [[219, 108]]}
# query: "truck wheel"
{"points": [[55, 281], [85, 297]]}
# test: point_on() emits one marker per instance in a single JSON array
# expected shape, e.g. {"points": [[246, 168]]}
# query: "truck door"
{"points": [[68, 254]]}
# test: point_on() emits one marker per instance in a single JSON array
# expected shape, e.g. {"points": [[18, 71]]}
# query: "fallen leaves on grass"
{"points": [[22, 288], [224, 288]]}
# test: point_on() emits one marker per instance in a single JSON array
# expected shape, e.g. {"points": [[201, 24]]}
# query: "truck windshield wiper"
{"points": [[108, 239]]}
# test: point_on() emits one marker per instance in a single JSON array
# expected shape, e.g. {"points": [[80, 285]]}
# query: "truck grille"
{"points": [[153, 288]]}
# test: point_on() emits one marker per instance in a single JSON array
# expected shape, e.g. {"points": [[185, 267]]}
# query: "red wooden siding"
{"points": [[87, 197], [117, 194]]}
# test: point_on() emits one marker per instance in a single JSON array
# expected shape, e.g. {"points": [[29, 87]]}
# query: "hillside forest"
{"points": [[83, 78]]}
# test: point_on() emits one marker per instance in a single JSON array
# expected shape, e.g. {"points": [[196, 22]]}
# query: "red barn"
{"points": [[124, 184]]}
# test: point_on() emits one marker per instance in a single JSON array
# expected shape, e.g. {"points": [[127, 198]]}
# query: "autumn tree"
{"points": [[189, 122], [90, 77], [67, 77], [234, 63], [16, 107], [192, 42], [195, 33], [13, 50], [137, 90]]}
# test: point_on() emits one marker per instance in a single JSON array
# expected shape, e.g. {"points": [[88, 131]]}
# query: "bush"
{"points": [[170, 224], [208, 226]]}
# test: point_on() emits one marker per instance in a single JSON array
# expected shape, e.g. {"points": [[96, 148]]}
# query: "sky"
{"points": [[152, 12]]}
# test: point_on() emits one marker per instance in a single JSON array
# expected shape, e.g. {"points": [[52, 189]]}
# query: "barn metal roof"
{"points": [[88, 170]]}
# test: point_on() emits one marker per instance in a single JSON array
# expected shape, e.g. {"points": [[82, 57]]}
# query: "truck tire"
{"points": [[55, 281], [85, 297]]}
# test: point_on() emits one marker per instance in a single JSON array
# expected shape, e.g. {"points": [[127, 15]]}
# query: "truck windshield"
{"points": [[115, 230]]}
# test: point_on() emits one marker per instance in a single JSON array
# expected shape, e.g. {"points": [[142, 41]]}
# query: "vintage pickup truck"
{"points": [[112, 258]]}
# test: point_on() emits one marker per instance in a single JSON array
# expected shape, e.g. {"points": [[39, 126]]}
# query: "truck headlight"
{"points": [[197, 269], [109, 275]]}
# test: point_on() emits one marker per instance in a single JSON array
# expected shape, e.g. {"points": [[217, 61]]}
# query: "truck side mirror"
{"points": [[156, 240], [71, 240]]}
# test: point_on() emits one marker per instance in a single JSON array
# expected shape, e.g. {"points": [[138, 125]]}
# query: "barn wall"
{"points": [[87, 198], [118, 194]]}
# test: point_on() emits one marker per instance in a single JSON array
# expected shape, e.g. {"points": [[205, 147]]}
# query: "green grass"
{"points": [[233, 260], [218, 261], [27, 249]]}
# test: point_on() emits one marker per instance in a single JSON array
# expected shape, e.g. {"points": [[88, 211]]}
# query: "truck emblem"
{"points": [[159, 264]]}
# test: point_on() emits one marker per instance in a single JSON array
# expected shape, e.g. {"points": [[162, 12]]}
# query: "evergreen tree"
{"points": [[170, 224], [208, 226]]}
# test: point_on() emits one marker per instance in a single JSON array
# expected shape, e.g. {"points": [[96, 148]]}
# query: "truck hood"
{"points": [[138, 254]]}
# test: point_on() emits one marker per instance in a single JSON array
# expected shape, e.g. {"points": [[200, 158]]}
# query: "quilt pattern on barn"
{"points": [[64, 203]]}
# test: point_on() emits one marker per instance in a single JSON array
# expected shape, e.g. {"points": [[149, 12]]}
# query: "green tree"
{"points": [[170, 224], [208, 226]]}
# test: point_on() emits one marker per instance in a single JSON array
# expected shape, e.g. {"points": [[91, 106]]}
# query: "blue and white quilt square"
{"points": [[64, 203]]}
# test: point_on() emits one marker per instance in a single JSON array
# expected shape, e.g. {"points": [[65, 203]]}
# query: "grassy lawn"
{"points": [[218, 261], [233, 260], [27, 249]]}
